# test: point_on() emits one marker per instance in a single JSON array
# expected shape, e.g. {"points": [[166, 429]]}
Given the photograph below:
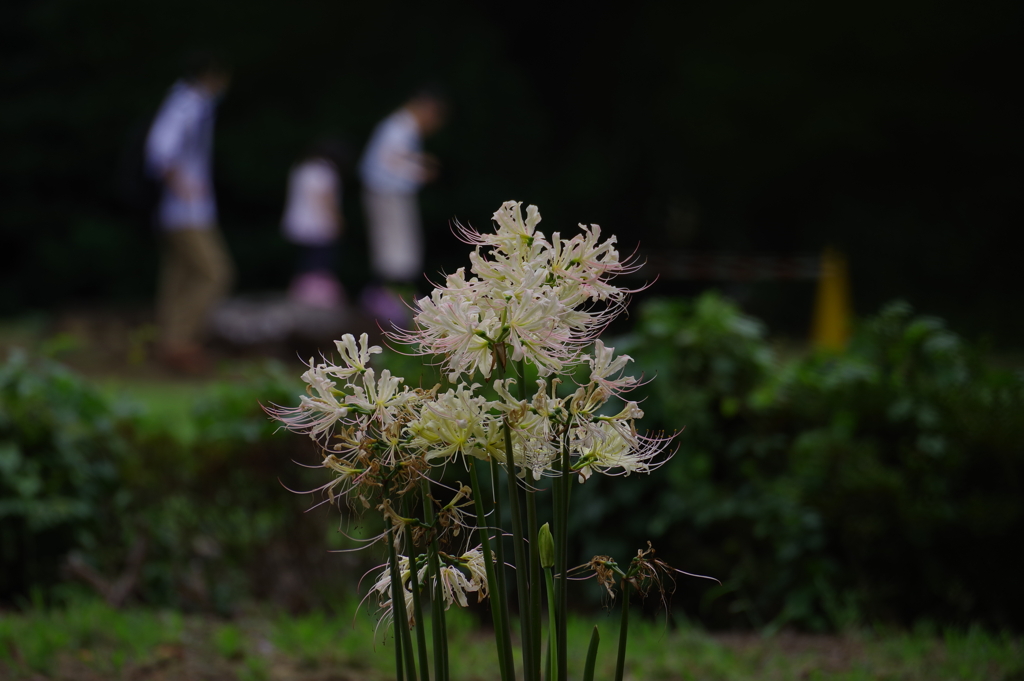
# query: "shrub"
{"points": [[61, 447], [82, 478], [882, 483], [908, 450], [220, 524]]}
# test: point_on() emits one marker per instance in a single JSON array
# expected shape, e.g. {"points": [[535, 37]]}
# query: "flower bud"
{"points": [[545, 546]]}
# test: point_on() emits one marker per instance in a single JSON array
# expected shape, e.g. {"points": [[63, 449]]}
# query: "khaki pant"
{"points": [[196, 274]]}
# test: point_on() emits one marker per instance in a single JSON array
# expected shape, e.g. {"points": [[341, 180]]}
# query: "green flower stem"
{"points": [[564, 482], [531, 668], [588, 670], [531, 527], [558, 511], [535, 579], [504, 644], [399, 618], [443, 620], [398, 653], [521, 375], [500, 563], [522, 561], [437, 615], [552, 652], [417, 610], [620, 663], [531, 531]]}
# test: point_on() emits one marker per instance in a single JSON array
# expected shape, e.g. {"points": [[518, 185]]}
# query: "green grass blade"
{"points": [[588, 669], [620, 662]]}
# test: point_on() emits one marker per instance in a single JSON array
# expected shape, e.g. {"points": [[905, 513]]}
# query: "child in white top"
{"points": [[313, 222]]}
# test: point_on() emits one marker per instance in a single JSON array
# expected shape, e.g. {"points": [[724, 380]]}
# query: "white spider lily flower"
{"points": [[473, 561], [610, 453], [451, 323], [587, 261], [455, 583], [512, 406], [347, 477], [318, 410], [514, 234], [526, 292], [624, 421], [504, 273], [383, 588], [536, 451], [355, 358], [586, 402], [454, 423], [534, 444], [535, 332], [606, 369], [463, 575], [590, 426], [325, 404], [381, 397], [549, 406]]}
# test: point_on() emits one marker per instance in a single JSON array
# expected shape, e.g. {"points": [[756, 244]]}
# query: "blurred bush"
{"points": [[214, 509], [883, 483], [60, 452], [102, 491]]}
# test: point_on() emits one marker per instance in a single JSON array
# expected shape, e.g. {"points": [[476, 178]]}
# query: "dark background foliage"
{"points": [[884, 483], [887, 129]]}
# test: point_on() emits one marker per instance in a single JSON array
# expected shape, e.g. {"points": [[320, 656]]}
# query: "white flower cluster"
{"points": [[524, 303], [376, 421], [460, 576], [531, 299], [525, 291], [543, 427], [362, 420]]}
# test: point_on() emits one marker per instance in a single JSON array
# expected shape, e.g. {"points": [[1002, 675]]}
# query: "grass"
{"points": [[103, 638], [88, 640], [163, 406]]}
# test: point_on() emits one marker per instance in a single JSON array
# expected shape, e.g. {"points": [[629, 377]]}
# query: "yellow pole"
{"points": [[830, 329]]}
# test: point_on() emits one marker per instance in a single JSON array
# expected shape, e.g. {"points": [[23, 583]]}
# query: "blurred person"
{"points": [[393, 169], [313, 222], [196, 269]]}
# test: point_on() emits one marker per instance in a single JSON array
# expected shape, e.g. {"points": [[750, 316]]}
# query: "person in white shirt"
{"points": [[196, 270], [392, 169], [313, 222]]}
